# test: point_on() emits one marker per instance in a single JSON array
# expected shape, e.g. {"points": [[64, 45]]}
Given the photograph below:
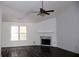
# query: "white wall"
{"points": [[68, 27], [6, 42], [50, 27], [0, 28]]}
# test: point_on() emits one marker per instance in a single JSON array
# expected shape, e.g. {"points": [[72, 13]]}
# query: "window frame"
{"points": [[19, 32]]}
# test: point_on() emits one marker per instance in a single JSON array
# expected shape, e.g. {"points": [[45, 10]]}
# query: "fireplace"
{"points": [[45, 40]]}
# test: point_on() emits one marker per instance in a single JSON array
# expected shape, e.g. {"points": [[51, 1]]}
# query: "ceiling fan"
{"points": [[43, 12]]}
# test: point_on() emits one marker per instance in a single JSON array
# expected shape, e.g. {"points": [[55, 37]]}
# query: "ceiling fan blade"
{"points": [[50, 11], [34, 11], [38, 14], [46, 13]]}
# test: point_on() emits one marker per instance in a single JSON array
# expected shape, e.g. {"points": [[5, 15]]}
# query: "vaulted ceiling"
{"points": [[14, 10]]}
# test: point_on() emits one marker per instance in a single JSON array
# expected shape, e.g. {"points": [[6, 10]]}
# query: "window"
{"points": [[18, 33]]}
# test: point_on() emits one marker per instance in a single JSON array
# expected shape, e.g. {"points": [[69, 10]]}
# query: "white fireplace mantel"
{"points": [[49, 34], [46, 33]]}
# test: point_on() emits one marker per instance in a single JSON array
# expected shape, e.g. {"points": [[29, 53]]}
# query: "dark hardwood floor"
{"points": [[36, 51]]}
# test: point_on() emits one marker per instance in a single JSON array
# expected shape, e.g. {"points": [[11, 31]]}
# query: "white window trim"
{"points": [[19, 32]]}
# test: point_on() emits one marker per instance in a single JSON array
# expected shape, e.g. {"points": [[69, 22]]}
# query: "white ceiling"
{"points": [[13, 10]]}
